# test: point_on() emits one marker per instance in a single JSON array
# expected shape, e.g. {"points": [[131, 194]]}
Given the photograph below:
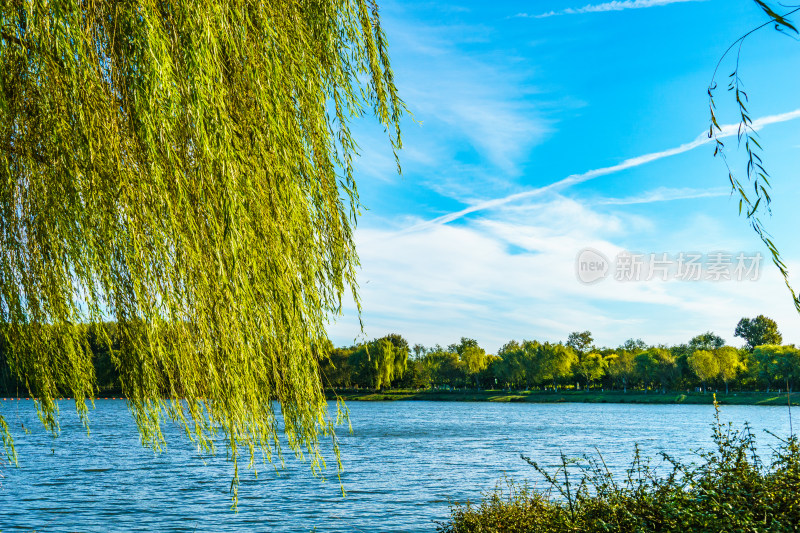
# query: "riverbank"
{"points": [[568, 396], [639, 397]]}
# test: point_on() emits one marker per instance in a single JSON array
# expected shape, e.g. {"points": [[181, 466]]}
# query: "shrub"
{"points": [[728, 490]]}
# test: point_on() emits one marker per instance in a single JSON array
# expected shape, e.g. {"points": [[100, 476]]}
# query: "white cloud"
{"points": [[727, 130], [467, 106], [468, 103], [665, 194], [617, 5], [510, 272], [511, 276]]}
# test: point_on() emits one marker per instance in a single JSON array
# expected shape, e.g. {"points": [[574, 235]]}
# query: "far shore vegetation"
{"points": [[569, 396], [761, 372]]}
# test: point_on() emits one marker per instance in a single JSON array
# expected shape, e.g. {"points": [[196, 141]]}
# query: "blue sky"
{"points": [[541, 128]]}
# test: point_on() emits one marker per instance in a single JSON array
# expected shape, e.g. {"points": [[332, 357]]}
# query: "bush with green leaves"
{"points": [[730, 489]]}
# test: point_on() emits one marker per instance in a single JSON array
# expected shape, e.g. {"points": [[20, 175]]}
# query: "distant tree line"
{"points": [[705, 362], [104, 342]]}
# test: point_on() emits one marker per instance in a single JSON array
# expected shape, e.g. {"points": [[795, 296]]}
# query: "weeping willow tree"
{"points": [[185, 169]]}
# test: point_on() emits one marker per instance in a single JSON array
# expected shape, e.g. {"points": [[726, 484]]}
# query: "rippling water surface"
{"points": [[403, 464]]}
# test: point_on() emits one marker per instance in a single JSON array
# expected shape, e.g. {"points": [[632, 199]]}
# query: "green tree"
{"points": [[512, 368], [636, 346], [758, 331], [681, 353], [185, 168], [706, 341], [590, 367], [445, 367], [474, 358], [336, 369], [533, 361], [622, 368], [788, 366], [553, 362], [401, 353], [749, 376], [778, 363], [705, 365], [379, 362], [656, 365], [462, 345], [730, 364], [519, 364], [419, 351], [490, 376], [104, 347], [765, 357], [475, 361], [580, 341], [416, 376]]}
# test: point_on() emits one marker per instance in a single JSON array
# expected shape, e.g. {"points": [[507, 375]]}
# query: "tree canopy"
{"points": [[580, 341], [757, 331], [385, 363], [706, 341], [185, 169], [704, 364]]}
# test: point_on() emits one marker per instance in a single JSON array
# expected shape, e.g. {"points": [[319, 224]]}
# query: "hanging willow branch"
{"points": [[185, 169], [752, 203]]}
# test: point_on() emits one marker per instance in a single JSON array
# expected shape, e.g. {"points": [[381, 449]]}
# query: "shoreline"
{"points": [[568, 396], [635, 397]]}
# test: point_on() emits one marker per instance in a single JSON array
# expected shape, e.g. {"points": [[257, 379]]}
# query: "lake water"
{"points": [[404, 464]]}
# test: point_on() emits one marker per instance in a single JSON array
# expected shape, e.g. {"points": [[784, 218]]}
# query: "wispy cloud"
{"points": [[665, 194], [504, 277], [617, 5], [479, 112], [728, 130]]}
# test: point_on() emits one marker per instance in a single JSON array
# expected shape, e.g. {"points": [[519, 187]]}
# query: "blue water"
{"points": [[404, 464]]}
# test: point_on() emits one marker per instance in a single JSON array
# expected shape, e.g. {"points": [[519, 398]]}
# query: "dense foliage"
{"points": [[185, 170], [728, 490], [703, 363]]}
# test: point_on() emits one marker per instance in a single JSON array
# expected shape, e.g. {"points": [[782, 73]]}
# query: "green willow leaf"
{"points": [[174, 166], [754, 170]]}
